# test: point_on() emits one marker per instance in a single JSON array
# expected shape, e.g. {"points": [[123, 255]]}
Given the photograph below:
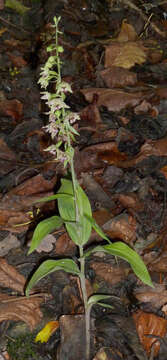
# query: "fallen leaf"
{"points": [[8, 243], [65, 246], [122, 227], [108, 272], [125, 54], [21, 309], [114, 100], [46, 244], [156, 296], [47, 331], [149, 324], [17, 61], [10, 277], [115, 76], [127, 33], [13, 108]]}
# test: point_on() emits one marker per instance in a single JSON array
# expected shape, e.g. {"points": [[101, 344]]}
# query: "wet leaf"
{"points": [[47, 331]]}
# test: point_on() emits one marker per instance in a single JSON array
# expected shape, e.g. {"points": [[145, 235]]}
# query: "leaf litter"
{"points": [[117, 68]]}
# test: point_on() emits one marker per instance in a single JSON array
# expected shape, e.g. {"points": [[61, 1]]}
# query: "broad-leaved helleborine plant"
{"points": [[73, 204]]}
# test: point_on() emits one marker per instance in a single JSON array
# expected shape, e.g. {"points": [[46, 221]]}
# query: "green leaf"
{"points": [[98, 229], [94, 299], [17, 6], [49, 266], [80, 230], [44, 228], [54, 197], [125, 252], [105, 305]]}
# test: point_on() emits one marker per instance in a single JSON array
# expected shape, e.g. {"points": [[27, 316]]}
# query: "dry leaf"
{"points": [[10, 242], [114, 100], [122, 227], [108, 272], [127, 33], [13, 108], [156, 296], [125, 54], [10, 277], [21, 309], [149, 324], [118, 77]]}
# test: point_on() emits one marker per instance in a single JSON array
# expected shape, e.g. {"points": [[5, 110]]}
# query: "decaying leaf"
{"points": [[8, 243], [10, 277], [125, 54], [21, 309], [13, 108], [149, 324], [127, 33], [116, 76], [108, 272], [122, 227], [114, 100], [156, 296]]}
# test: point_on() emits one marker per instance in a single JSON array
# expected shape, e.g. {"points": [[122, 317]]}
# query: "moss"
{"points": [[22, 347]]}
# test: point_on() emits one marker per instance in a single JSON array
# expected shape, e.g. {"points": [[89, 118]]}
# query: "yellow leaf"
{"points": [[47, 331]]}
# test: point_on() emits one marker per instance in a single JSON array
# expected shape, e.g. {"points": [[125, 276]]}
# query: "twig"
{"points": [[13, 25], [145, 18]]}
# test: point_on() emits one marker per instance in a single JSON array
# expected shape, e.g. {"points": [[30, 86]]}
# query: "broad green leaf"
{"points": [[125, 252], [54, 197], [80, 230], [49, 266], [44, 228], [94, 299], [17, 6]]}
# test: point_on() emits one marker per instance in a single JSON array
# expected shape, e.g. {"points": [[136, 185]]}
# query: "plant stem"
{"points": [[85, 300]]}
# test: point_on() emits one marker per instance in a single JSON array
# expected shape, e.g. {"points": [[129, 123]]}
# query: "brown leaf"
{"points": [[17, 61], [156, 296], [118, 77], [114, 100], [129, 201], [35, 185], [149, 324], [21, 309], [122, 227], [127, 33], [125, 54], [108, 272], [13, 108], [10, 277], [65, 246]]}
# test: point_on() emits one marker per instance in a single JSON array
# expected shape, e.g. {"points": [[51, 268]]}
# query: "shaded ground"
{"points": [[115, 57]]}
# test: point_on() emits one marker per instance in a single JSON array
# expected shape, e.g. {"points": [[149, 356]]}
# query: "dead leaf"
{"points": [[17, 61], [13, 108], [8, 243], [122, 227], [125, 54], [114, 100], [35, 185], [65, 246], [127, 33], [156, 296], [149, 324], [115, 76], [108, 272], [47, 331], [2, 4], [46, 244], [129, 201], [21, 309], [10, 277]]}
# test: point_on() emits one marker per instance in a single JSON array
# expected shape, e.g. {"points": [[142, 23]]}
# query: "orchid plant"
{"points": [[73, 204]]}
